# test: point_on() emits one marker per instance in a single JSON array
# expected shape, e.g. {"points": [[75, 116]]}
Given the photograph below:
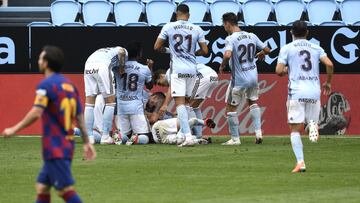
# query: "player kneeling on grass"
{"points": [[167, 131], [205, 84], [99, 79], [57, 102], [129, 93], [300, 59]]}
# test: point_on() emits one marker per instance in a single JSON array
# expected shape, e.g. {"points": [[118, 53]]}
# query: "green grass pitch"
{"points": [[201, 174]]}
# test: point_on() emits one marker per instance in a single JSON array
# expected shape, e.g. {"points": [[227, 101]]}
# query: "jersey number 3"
{"points": [[307, 65], [68, 106]]}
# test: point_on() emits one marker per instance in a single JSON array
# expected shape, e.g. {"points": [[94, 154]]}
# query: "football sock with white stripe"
{"points": [[89, 118], [297, 146], [108, 118], [233, 122]]}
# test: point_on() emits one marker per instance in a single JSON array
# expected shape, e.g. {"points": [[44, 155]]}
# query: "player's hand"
{"points": [[260, 55], [8, 132], [326, 88], [162, 110], [150, 63], [89, 151]]}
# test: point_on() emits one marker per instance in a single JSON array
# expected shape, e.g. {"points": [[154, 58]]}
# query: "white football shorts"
{"points": [[234, 95], [137, 123], [182, 85], [204, 87], [99, 79], [163, 128], [303, 110]]}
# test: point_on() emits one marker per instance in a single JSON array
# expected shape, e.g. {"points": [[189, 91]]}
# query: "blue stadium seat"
{"points": [[105, 24], [350, 11], [241, 24], [73, 24], [356, 23], [96, 11], [333, 23], [159, 11], [256, 11], [115, 1], [266, 23], [138, 24], [128, 12], [307, 22], [198, 9], [219, 7], [64, 11], [321, 11], [203, 24], [40, 24], [288, 11]]}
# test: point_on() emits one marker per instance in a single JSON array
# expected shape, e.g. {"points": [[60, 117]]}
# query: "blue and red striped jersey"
{"points": [[61, 103]]}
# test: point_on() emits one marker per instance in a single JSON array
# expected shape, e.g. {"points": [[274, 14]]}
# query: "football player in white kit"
{"points": [[166, 131], [99, 79], [240, 50], [130, 93], [183, 37], [206, 82], [300, 60]]}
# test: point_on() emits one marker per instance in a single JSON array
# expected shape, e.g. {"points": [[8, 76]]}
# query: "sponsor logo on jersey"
{"points": [[214, 79], [305, 100], [93, 71], [311, 78], [128, 98], [185, 75]]}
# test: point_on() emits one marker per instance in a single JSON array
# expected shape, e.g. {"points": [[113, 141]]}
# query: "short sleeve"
{"points": [[164, 33], [41, 98], [283, 56], [322, 53], [259, 44], [167, 75], [228, 45], [148, 76], [201, 35]]}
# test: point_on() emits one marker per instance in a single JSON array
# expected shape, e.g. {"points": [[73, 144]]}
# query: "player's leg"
{"points": [[42, 193], [178, 89], [296, 117], [195, 105], [233, 96], [69, 195], [98, 118], [91, 90], [141, 129], [106, 85], [312, 114], [124, 127], [252, 95]]}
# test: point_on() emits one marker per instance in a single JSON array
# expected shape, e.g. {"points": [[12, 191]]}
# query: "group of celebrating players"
{"points": [[57, 100]]}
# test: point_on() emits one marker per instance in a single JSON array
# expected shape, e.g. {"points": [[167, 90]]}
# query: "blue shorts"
{"points": [[57, 173]]}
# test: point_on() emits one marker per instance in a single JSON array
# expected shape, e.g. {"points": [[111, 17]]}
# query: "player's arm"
{"points": [[281, 69], [122, 56], [165, 105], [225, 61], [261, 54], [89, 151], [203, 51], [159, 46], [330, 71], [149, 83], [33, 115]]}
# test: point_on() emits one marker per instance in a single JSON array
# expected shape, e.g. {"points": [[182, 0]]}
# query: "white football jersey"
{"points": [[243, 46], [130, 92], [302, 58], [108, 56], [183, 38]]}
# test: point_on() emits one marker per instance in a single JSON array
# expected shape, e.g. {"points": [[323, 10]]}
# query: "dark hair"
{"points": [[183, 8], [157, 73], [299, 28], [54, 57], [159, 95], [230, 18], [134, 49]]}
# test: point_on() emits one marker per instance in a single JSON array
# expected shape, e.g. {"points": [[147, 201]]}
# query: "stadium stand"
{"points": [[288, 11], [198, 10], [219, 7], [350, 11], [327, 8], [333, 23], [22, 16], [73, 24], [64, 11], [101, 8], [128, 12], [267, 23], [256, 11], [163, 7]]}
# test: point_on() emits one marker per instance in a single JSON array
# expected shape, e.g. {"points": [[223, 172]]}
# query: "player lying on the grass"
{"points": [[206, 82], [183, 37], [57, 102], [129, 93], [99, 79], [300, 59], [241, 47], [152, 108], [167, 131]]}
